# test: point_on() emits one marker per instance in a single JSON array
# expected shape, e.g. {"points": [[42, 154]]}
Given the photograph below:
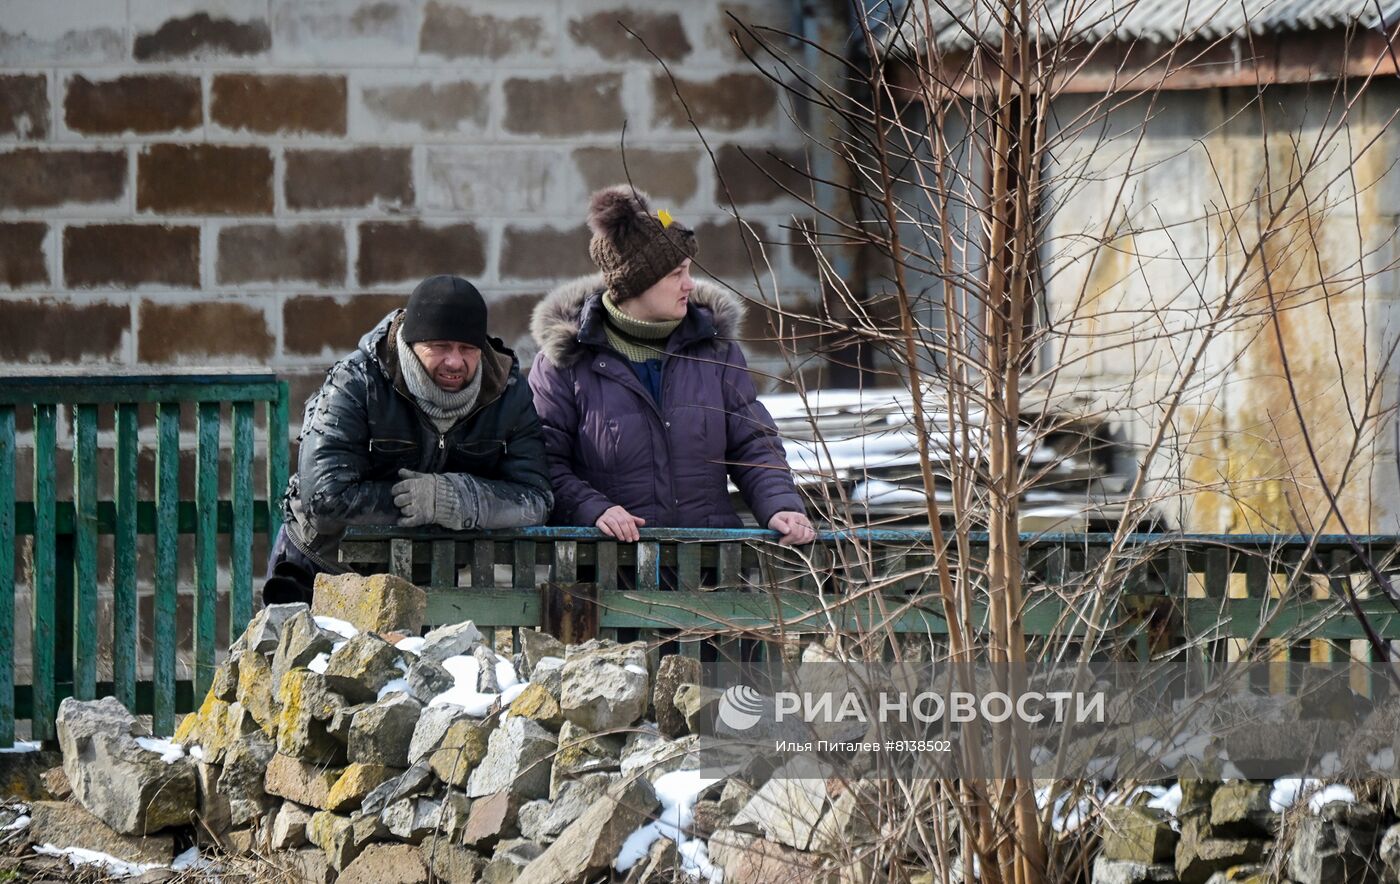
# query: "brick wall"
{"points": [[255, 182]]}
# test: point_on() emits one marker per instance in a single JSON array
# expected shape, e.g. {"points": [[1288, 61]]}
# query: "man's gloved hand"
{"points": [[426, 499]]}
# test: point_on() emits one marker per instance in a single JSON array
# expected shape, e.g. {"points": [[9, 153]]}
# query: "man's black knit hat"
{"points": [[445, 308]]}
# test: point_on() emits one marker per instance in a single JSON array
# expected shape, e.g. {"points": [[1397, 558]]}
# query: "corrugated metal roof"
{"points": [[958, 24]]}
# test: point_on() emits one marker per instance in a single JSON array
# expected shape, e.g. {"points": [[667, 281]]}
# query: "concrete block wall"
{"points": [[253, 183]]}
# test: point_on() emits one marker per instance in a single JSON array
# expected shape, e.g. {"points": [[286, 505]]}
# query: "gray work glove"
{"points": [[426, 499]]}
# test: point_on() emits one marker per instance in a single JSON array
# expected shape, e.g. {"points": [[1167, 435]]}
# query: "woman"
{"points": [[644, 396]]}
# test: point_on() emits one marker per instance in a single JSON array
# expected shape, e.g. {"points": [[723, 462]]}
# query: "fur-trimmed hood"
{"points": [[554, 324]]}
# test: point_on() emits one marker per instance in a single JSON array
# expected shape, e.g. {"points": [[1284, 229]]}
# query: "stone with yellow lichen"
{"points": [[379, 603], [295, 780], [355, 783], [255, 692], [225, 684], [212, 728], [343, 838], [460, 751], [536, 703], [307, 707]]}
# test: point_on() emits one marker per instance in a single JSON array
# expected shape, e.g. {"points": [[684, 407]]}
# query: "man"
{"points": [[427, 423]]}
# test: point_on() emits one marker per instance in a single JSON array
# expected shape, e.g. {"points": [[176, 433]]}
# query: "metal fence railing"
{"points": [[695, 584]]}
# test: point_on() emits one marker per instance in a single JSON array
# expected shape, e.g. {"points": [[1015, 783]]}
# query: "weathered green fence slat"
{"points": [[483, 563], [7, 574], [240, 594], [167, 565], [124, 604], [206, 562], [42, 594], [523, 574], [648, 566], [688, 567], [401, 559], [85, 549], [277, 469], [1270, 618], [187, 521], [605, 570], [502, 607], [443, 570], [731, 557], [153, 389], [565, 561]]}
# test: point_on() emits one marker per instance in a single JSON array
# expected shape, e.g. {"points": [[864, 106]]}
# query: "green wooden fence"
{"points": [[698, 583], [61, 529]]}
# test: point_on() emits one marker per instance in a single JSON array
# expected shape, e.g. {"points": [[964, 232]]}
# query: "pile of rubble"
{"points": [[1202, 832], [340, 745], [343, 746]]}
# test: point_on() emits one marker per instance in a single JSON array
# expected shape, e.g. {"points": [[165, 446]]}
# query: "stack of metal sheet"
{"points": [[856, 455]]}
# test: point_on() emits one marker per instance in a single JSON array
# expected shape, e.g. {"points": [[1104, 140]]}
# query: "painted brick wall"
{"points": [[255, 182]]}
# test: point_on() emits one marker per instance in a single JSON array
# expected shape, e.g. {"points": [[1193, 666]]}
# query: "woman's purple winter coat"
{"points": [[609, 443]]}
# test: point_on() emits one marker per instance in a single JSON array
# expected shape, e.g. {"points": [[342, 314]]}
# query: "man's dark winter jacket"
{"points": [[364, 426], [609, 441]]}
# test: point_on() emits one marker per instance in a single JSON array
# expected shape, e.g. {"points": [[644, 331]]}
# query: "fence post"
{"points": [[570, 611], [42, 589]]}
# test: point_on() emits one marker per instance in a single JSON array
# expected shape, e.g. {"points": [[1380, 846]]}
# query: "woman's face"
{"points": [[666, 299]]}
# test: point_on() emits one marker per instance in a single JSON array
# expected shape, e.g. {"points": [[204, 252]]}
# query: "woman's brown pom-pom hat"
{"points": [[633, 246]]}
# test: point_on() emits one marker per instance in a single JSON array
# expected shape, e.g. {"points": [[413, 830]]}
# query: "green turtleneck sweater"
{"points": [[642, 343]]}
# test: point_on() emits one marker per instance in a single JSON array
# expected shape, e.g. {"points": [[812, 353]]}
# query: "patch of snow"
{"points": [[339, 627], [1329, 764], [319, 664], [191, 860], [1186, 747], [1287, 790], [636, 847], [633, 667], [1064, 819], [401, 666], [1041, 755], [1102, 768], [1382, 760], [1330, 794], [549, 662], [695, 861], [411, 645], [464, 671], [398, 685], [1169, 800], [169, 752], [1148, 745], [506, 676], [22, 746], [877, 491], [20, 822], [195, 751], [509, 694], [677, 792], [116, 868]]}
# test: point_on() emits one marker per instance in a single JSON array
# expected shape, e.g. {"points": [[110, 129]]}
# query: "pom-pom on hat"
{"points": [[633, 246]]}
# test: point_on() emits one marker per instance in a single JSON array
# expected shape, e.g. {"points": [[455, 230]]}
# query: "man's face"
{"points": [[666, 299], [451, 364]]}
